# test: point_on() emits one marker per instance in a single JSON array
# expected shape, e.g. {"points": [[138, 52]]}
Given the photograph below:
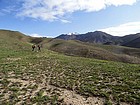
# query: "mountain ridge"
{"points": [[102, 38]]}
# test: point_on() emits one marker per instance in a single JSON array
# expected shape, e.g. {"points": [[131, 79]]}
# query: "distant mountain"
{"points": [[67, 37], [92, 37], [128, 38], [103, 38], [134, 43], [97, 37]]}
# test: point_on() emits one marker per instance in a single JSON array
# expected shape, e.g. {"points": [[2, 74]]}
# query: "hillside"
{"points": [[133, 43], [13, 35], [16, 40], [13, 39], [47, 77], [109, 52]]}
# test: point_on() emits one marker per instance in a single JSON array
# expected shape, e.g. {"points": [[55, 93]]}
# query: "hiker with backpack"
{"points": [[33, 47], [39, 47]]}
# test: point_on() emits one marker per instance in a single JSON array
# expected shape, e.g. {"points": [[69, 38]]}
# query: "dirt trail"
{"points": [[72, 98]]}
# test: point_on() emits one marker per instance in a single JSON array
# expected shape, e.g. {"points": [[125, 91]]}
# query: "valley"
{"points": [[64, 74]]}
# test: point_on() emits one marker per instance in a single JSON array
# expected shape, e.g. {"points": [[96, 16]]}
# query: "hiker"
{"points": [[33, 47], [39, 48]]}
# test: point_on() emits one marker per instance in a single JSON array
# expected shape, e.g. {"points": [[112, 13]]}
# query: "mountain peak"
{"points": [[73, 33], [92, 37]]}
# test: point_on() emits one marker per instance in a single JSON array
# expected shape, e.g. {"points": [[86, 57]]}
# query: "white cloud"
{"points": [[120, 2], [123, 29], [65, 21], [51, 10], [35, 35]]}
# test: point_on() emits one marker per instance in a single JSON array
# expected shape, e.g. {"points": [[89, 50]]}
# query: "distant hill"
{"points": [[102, 38]]}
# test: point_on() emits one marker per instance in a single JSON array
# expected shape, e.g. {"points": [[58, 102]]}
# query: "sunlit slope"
{"points": [[13, 40], [41, 78]]}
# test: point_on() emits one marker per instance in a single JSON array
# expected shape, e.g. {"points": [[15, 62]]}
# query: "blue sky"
{"points": [[50, 18]]}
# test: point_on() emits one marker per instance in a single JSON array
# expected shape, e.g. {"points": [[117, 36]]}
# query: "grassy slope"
{"points": [[77, 48], [13, 40], [22, 73]]}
